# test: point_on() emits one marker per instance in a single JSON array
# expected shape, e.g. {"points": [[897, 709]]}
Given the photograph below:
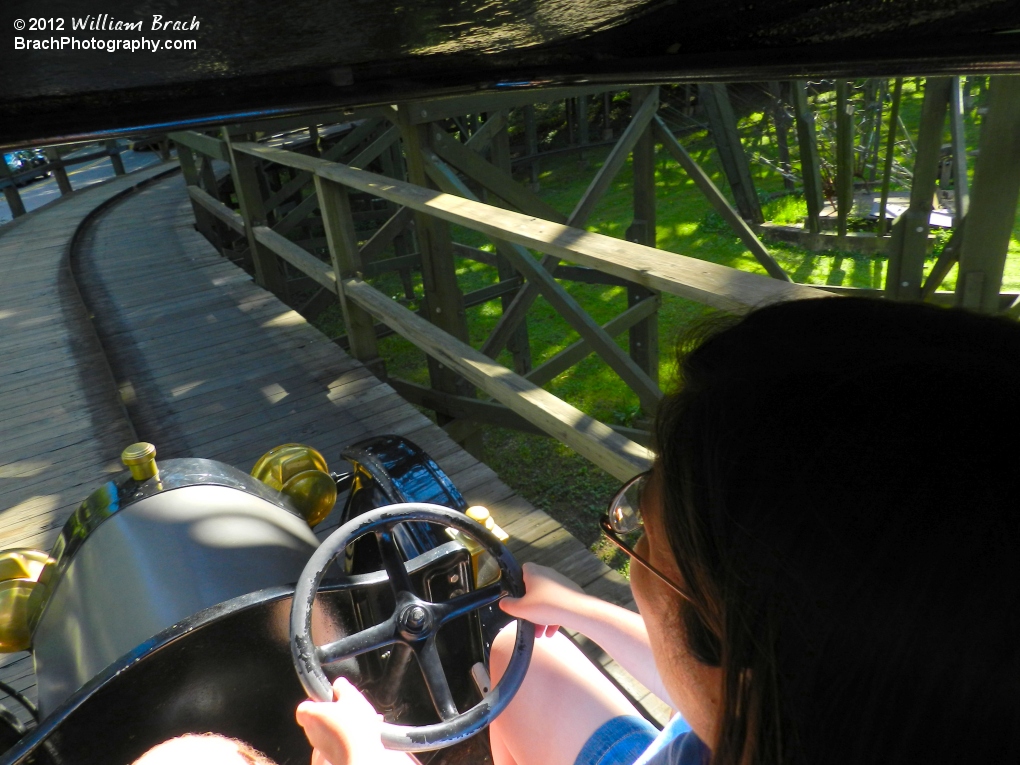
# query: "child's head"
{"points": [[840, 491]]}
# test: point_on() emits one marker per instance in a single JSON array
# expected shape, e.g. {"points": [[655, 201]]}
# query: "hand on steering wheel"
{"points": [[412, 626]]}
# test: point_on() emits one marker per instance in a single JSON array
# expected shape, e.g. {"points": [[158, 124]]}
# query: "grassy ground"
{"points": [[547, 473]]}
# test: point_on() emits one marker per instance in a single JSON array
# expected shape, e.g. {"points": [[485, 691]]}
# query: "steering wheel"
{"points": [[413, 625]]}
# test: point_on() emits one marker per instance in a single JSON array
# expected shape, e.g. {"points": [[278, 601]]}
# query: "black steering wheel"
{"points": [[413, 624]]}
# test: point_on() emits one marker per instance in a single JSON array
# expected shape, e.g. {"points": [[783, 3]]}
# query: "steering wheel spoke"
{"points": [[379, 636], [472, 601], [435, 679], [393, 562]]}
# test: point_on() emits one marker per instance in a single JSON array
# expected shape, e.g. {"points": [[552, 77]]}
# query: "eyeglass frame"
{"points": [[613, 536]]}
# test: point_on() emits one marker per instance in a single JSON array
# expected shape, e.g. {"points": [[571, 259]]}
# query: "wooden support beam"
{"points": [[113, 149], [519, 343], [268, 271], [343, 252], [909, 245], [189, 169], [723, 126], [442, 299], [486, 412], [338, 151], [481, 138], [719, 201], [11, 192], [781, 126], [993, 206], [580, 350], [587, 436], [725, 288], [949, 256], [531, 140], [610, 168], [385, 234], [890, 149], [217, 209], [59, 172], [372, 152], [844, 156], [961, 191], [202, 144], [563, 302], [810, 163], [643, 337], [493, 179]]}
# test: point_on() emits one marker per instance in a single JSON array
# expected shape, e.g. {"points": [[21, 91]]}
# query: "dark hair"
{"points": [[840, 492]]}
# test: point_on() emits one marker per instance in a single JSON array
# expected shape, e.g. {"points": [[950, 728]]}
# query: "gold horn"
{"points": [[21, 596], [300, 473]]}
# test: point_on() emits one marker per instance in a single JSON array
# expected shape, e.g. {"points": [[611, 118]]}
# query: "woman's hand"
{"points": [[550, 599], [345, 731]]}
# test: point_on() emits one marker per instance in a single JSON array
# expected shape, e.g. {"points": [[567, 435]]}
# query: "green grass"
{"points": [[547, 473]]}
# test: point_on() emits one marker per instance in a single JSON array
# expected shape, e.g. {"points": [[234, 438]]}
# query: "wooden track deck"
{"points": [[206, 363]]}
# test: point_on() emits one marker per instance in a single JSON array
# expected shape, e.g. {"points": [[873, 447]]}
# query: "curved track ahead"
{"points": [[207, 364]]}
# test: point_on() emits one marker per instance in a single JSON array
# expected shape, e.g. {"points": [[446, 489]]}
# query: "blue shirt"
{"points": [[676, 744]]}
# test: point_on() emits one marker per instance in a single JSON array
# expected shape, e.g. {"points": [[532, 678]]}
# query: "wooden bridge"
{"points": [[157, 306]]}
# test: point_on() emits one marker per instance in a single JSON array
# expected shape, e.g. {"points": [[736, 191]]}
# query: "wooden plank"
{"points": [[301, 259], [371, 152], [589, 437], [203, 144], [718, 286], [217, 209]]}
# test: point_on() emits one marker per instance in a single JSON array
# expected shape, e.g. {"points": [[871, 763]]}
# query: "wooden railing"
{"points": [[56, 164], [517, 397]]}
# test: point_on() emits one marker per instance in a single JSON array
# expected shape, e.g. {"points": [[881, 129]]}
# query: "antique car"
{"points": [[189, 596]]}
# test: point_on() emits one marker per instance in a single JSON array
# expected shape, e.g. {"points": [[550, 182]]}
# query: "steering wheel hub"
{"points": [[415, 622]]}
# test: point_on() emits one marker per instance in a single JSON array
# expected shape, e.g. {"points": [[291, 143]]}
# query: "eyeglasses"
{"points": [[623, 526]]}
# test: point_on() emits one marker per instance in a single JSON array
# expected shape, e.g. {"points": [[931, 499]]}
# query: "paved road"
{"points": [[38, 193]]}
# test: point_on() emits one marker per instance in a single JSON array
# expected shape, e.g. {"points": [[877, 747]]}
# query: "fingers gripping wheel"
{"points": [[413, 625]]}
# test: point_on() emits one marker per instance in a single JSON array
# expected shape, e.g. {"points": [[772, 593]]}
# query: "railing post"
{"points": [[908, 245], [723, 127], [115, 158], [993, 204], [335, 205], [11, 191], [810, 164], [844, 156], [63, 183], [189, 169], [444, 303], [644, 336], [519, 344], [268, 268]]}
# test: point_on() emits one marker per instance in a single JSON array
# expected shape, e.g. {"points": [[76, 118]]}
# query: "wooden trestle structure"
{"points": [[429, 170]]}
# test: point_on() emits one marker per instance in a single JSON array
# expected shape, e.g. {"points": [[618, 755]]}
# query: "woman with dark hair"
{"points": [[830, 565]]}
